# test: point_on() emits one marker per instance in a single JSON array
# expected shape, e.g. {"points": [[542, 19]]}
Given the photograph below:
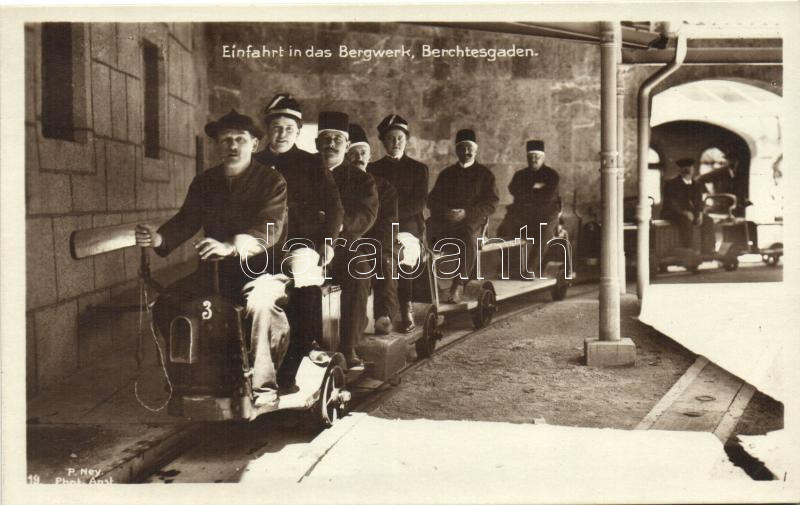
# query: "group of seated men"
{"points": [[282, 200]]}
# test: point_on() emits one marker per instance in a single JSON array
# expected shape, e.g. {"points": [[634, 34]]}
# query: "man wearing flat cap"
{"points": [[682, 203], [315, 210], [385, 307], [410, 178], [536, 201], [463, 198], [359, 198], [241, 207]]}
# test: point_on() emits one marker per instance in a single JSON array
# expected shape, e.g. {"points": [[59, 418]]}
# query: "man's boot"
{"points": [[352, 359], [383, 325], [407, 316], [456, 293]]}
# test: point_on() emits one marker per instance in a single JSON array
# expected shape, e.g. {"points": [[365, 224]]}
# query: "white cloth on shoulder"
{"points": [[411, 249], [302, 263]]}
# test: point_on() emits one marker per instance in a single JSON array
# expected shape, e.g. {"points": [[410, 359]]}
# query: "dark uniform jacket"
{"points": [[387, 214], [680, 197], [226, 206], [359, 198], [311, 191], [542, 202], [410, 178], [472, 189]]}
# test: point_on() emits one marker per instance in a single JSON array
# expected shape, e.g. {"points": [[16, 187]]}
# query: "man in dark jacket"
{"points": [[536, 201], [410, 178], [384, 287], [315, 210], [360, 201], [682, 203], [241, 207], [463, 198]]}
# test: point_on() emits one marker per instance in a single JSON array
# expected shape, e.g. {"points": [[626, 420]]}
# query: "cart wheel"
{"points": [[487, 305], [731, 265], [427, 343], [559, 291], [333, 397], [773, 259]]}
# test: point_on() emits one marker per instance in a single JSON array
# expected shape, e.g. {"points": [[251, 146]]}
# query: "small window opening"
{"points": [[152, 113], [57, 81]]}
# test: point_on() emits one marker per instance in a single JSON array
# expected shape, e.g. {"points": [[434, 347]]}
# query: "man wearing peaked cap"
{"points": [[536, 200], [385, 307], [284, 104], [410, 178], [241, 207], [463, 198], [359, 198], [683, 203], [315, 210]]}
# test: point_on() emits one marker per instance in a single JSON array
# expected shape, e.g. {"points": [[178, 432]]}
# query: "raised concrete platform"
{"points": [[620, 352], [424, 461], [749, 329]]}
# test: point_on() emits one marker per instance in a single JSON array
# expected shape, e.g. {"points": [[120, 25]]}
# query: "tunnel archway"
{"points": [[737, 118]]}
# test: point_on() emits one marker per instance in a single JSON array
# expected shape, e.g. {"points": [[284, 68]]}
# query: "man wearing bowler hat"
{"points": [[384, 287], [359, 198], [315, 210], [536, 201], [463, 198], [410, 178], [241, 207]]}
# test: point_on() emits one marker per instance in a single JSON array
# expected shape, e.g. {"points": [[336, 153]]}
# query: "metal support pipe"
{"points": [[643, 125], [621, 171], [707, 56], [609, 280]]}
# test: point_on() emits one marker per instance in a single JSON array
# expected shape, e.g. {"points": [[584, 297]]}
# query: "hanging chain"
{"points": [[143, 298]]}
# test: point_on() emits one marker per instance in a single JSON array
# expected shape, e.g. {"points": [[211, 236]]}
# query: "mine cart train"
{"points": [[204, 339], [723, 233], [205, 345], [724, 239]]}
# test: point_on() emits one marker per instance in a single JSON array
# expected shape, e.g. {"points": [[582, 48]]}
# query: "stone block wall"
{"points": [[102, 178], [554, 96]]}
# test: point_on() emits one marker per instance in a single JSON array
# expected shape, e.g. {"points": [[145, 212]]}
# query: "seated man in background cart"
{"points": [[683, 203], [241, 207], [463, 198], [536, 201]]}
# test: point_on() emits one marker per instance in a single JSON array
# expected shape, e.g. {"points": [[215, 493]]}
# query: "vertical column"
{"points": [[609, 349], [643, 210], [609, 280], [620, 164]]}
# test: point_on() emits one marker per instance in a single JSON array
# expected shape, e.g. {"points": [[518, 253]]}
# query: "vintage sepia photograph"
{"points": [[499, 256]]}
